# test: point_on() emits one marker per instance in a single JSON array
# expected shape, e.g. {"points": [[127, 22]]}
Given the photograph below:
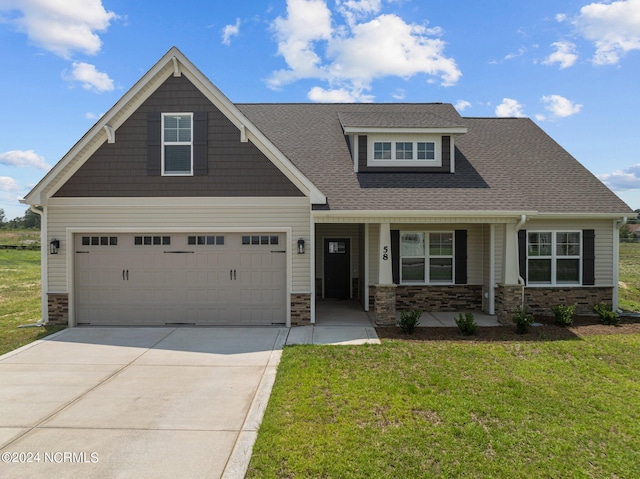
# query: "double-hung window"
{"points": [[426, 258], [177, 144], [404, 150], [554, 257]]}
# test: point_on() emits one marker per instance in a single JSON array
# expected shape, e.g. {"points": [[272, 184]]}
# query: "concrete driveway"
{"points": [[136, 402]]}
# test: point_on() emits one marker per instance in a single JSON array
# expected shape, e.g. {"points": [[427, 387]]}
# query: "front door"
{"points": [[337, 267]]}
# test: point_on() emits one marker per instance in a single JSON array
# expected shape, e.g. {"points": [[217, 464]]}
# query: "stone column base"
{"points": [[300, 309], [385, 304], [58, 306], [508, 298]]}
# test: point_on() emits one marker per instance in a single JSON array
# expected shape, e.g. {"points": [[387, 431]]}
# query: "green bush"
{"points": [[409, 320], [467, 324], [564, 314], [607, 316], [522, 319]]}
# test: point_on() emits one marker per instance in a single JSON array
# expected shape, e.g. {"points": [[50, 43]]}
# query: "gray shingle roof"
{"points": [[501, 163], [436, 116]]}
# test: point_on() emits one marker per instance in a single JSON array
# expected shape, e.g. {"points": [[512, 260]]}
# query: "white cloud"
{"points": [[560, 107], [350, 57], [230, 31], [61, 26], [8, 185], [92, 116], [24, 159], [509, 108], [339, 95], [399, 94], [614, 28], [511, 56], [540, 117], [90, 78], [622, 180], [565, 55], [462, 105], [561, 17]]}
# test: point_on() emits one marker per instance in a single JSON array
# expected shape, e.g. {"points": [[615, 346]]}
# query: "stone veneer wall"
{"points": [[541, 300], [300, 309], [58, 306], [439, 298], [507, 299], [385, 304]]}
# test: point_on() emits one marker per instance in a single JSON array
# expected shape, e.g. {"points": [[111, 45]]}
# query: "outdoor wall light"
{"points": [[301, 246], [54, 246]]}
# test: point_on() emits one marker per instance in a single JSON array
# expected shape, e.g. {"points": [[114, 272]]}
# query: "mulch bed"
{"points": [[548, 331]]}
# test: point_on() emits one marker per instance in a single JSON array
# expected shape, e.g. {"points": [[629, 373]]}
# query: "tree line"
{"points": [[30, 220]]}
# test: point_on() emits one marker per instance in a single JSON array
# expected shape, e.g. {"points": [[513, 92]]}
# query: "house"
{"points": [[179, 206]]}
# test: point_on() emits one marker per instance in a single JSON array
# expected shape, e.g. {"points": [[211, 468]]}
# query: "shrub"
{"points": [[467, 324], [564, 314], [409, 320], [523, 319], [607, 316]]}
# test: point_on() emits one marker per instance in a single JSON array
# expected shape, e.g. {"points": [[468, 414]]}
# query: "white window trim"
{"points": [[554, 257], [176, 143], [415, 139], [427, 257]]}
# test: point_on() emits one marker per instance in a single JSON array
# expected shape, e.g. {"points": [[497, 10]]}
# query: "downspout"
{"points": [[523, 220], [617, 226], [44, 280]]}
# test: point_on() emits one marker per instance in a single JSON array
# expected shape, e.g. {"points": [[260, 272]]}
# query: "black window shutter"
{"points": [[154, 147], [589, 257], [461, 256], [200, 133], [395, 256], [522, 254], [362, 151]]}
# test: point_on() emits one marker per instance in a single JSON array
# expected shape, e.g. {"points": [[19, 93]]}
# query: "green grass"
{"points": [[536, 409], [629, 292], [20, 299], [20, 237]]}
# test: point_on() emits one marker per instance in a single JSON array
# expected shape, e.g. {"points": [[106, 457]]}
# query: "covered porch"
{"points": [[455, 264]]}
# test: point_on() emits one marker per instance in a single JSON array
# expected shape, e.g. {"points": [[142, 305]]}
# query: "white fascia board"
{"points": [[179, 62], [458, 130], [251, 132], [422, 213], [582, 216], [34, 197]]}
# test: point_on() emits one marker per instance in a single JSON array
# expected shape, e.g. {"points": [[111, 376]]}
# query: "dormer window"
{"points": [[405, 150]]}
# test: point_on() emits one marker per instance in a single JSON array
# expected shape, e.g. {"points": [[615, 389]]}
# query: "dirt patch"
{"points": [[548, 331]]}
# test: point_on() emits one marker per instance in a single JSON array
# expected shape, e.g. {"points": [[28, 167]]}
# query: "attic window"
{"points": [[177, 144]]}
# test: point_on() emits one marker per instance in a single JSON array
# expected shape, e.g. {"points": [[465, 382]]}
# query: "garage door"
{"points": [[164, 279]]}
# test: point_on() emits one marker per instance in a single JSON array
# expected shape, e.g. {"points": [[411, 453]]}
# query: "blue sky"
{"points": [[573, 66]]}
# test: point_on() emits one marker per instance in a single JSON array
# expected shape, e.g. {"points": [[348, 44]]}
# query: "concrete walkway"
{"points": [[136, 402]]}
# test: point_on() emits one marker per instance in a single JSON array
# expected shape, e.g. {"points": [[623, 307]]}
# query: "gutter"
{"points": [[43, 261], [617, 226], [521, 282]]}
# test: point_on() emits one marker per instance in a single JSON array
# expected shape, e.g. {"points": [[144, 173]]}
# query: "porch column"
{"points": [[510, 293], [385, 295]]}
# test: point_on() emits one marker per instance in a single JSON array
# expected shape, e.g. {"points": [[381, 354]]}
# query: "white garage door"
{"points": [[200, 279]]}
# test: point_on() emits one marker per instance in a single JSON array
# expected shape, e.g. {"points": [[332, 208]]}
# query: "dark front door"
{"points": [[337, 265]]}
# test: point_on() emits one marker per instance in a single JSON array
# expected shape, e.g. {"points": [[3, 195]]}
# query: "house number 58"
{"points": [[385, 253]]}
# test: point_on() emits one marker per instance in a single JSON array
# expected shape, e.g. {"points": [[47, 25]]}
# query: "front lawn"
{"points": [[20, 299], [629, 292], [410, 409]]}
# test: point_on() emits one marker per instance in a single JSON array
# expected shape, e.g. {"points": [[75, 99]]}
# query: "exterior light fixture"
{"points": [[301, 246], [54, 246]]}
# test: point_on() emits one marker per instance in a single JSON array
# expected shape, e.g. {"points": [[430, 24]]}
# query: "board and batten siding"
{"points": [[604, 238], [191, 216]]}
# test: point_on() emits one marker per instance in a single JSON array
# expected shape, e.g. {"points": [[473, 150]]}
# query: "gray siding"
{"points": [[120, 169]]}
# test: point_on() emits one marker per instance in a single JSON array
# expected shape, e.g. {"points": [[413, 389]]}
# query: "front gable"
{"points": [[102, 144], [223, 165]]}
